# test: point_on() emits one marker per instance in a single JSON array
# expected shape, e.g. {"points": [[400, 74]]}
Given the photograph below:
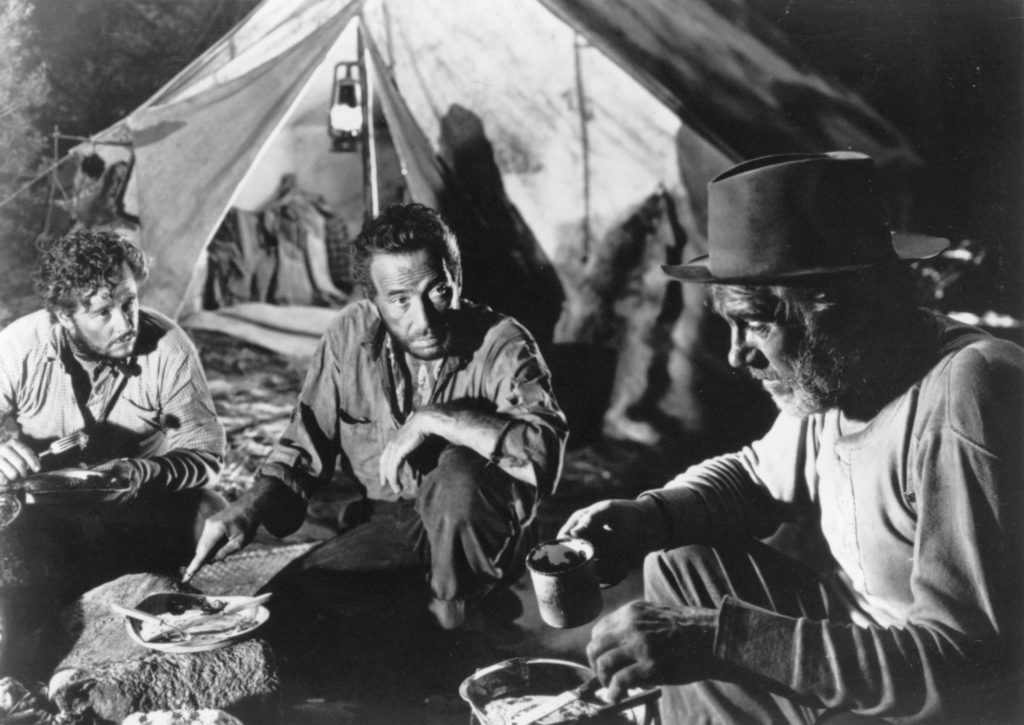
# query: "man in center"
{"points": [[435, 405]]}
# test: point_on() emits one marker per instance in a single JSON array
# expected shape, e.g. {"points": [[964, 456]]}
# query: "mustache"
{"points": [[439, 328], [762, 375], [432, 334]]}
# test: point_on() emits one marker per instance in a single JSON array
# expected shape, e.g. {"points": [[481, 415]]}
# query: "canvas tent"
{"points": [[570, 141]]}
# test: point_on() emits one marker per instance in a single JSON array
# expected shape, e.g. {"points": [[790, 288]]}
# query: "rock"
{"points": [[11, 693], [89, 633], [105, 676]]}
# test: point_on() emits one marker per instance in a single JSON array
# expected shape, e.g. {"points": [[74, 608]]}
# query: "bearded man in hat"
{"points": [[900, 436]]}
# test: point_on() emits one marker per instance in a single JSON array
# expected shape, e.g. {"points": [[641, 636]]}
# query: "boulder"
{"points": [[105, 676]]}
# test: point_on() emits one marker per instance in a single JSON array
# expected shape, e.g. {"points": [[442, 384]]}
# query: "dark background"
{"points": [[948, 74]]}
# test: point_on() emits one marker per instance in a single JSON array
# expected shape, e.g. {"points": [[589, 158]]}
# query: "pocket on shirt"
{"points": [[362, 443], [139, 426], [137, 415]]}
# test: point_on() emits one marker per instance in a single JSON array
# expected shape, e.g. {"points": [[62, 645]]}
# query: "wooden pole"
{"points": [[371, 194]]}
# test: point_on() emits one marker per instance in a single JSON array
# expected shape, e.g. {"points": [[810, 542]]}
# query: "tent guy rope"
{"points": [[49, 169]]}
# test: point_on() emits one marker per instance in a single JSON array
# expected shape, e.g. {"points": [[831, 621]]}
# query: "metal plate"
{"points": [[501, 694], [71, 485], [237, 627]]}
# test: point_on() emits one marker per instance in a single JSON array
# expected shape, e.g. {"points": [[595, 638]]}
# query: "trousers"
{"points": [[755, 573], [465, 524]]}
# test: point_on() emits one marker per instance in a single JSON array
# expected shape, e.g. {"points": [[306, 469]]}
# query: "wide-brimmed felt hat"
{"points": [[779, 219]]}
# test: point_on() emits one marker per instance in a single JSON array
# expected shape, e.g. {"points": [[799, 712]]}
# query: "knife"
{"points": [[165, 627], [558, 702], [238, 606]]}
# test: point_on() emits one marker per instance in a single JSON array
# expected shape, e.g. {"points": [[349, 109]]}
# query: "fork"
{"points": [[78, 439], [166, 628]]}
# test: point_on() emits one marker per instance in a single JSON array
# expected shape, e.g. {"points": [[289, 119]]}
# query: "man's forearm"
{"points": [[716, 501], [272, 503], [176, 470], [656, 532], [480, 431]]}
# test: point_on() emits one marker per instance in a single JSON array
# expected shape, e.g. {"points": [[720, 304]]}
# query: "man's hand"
{"points": [[224, 533], [128, 474], [621, 529], [643, 645], [408, 438], [17, 461]]}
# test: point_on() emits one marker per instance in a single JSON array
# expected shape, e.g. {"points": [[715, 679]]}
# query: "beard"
{"points": [[827, 370], [431, 345], [82, 348]]}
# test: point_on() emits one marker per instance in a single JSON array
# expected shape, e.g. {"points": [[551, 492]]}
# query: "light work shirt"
{"points": [[155, 406], [352, 401], [921, 511]]}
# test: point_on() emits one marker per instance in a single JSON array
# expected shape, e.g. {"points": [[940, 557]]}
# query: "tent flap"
{"points": [[732, 79], [192, 155]]}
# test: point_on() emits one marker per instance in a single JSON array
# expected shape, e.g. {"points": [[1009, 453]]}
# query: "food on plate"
{"points": [[513, 710], [197, 625], [198, 617]]}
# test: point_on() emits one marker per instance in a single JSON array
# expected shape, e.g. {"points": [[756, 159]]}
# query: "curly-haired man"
{"points": [[131, 381]]}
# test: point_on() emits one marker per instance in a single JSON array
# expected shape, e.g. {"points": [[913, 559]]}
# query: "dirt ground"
{"points": [[357, 647]]}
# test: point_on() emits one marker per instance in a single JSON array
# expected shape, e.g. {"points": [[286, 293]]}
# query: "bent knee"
{"points": [[673, 576], [455, 486], [659, 563]]}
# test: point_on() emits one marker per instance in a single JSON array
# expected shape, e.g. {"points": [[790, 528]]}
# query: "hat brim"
{"points": [[907, 246]]}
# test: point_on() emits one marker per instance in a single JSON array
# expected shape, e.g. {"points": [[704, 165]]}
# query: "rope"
{"points": [[38, 177], [30, 183]]}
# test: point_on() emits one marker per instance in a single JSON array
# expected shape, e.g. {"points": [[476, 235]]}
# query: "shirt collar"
{"points": [[375, 334], [55, 341]]}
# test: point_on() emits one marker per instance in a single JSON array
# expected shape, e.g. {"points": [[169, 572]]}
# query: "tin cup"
{"points": [[565, 582], [610, 570]]}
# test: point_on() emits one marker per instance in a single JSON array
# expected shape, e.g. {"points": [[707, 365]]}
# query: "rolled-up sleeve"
{"points": [[307, 452], [520, 387], [193, 451]]}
